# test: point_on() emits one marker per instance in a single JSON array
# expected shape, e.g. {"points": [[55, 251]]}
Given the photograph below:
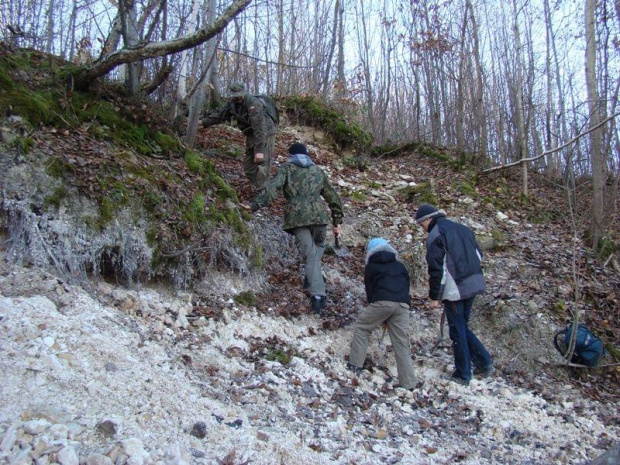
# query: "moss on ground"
{"points": [[313, 111], [133, 162]]}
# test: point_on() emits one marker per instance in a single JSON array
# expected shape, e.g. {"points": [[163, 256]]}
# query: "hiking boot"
{"points": [[457, 379], [483, 372], [354, 369], [317, 303]]}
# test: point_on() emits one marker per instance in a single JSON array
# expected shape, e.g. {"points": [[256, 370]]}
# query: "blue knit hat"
{"points": [[374, 243], [378, 244]]}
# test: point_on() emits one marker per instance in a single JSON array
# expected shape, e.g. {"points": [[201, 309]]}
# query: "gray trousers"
{"points": [[396, 316], [310, 242]]}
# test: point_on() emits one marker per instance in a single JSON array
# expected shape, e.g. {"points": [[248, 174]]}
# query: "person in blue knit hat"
{"points": [[387, 289]]}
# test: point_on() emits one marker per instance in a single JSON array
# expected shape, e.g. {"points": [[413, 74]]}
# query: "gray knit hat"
{"points": [[425, 212], [237, 89]]}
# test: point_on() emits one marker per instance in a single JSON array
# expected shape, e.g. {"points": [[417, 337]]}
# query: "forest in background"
{"points": [[502, 82]]}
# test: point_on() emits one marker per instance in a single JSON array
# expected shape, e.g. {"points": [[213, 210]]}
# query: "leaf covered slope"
{"points": [[103, 364]]}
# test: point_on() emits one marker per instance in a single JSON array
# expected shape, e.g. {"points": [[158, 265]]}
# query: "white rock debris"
{"points": [[131, 377]]}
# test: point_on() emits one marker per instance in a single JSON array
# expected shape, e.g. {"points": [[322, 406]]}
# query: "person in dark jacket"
{"points": [[306, 188], [455, 277], [259, 128], [387, 290]]}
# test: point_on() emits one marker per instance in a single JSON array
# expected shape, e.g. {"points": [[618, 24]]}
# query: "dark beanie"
{"points": [[425, 212], [296, 148]]}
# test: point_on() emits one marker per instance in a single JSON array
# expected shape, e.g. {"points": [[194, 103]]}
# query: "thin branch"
{"points": [[548, 152], [288, 65]]}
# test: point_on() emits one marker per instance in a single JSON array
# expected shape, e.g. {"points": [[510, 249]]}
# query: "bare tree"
{"points": [[599, 163], [156, 49], [198, 97], [518, 90]]}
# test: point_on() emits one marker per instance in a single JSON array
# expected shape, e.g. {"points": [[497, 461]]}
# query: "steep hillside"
{"points": [[145, 319]]}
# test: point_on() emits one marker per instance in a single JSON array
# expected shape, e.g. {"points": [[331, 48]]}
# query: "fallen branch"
{"points": [[548, 152]]}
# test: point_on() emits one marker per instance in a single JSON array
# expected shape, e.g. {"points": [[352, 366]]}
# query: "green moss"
{"points": [[613, 351], [151, 201], [195, 163], [246, 298], [357, 195], [606, 247], [107, 208], [559, 307], [56, 199], [167, 143], [33, 107], [420, 193], [151, 235], [228, 216], [372, 184], [499, 240], [7, 83], [465, 188], [23, 144], [315, 112], [392, 150], [118, 193], [355, 162], [195, 211], [278, 355], [225, 191], [256, 257], [59, 169]]}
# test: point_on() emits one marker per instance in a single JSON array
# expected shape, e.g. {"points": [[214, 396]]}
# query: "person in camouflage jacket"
{"points": [[259, 128], [304, 186]]}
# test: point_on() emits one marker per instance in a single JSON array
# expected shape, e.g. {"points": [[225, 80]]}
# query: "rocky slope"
{"points": [[102, 374]]}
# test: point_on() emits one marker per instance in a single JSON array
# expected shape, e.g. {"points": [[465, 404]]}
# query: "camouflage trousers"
{"points": [[310, 242], [258, 173], [396, 315]]}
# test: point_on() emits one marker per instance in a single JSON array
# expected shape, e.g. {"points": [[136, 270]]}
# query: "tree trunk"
{"points": [[479, 110], [184, 59], [198, 98], [341, 81], [460, 97], [132, 39], [365, 58], [596, 155], [281, 47], [519, 89], [49, 39], [330, 53]]}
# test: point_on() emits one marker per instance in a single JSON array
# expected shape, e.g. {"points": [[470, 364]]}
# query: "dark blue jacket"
{"points": [[385, 278], [454, 261]]}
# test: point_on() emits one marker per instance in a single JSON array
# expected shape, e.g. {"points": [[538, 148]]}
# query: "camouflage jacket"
{"points": [[304, 185], [251, 117]]}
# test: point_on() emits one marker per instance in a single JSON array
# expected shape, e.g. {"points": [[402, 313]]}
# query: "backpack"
{"points": [[588, 347], [270, 107]]}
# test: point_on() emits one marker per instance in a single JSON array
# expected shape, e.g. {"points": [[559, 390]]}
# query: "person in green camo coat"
{"points": [[259, 129], [304, 186]]}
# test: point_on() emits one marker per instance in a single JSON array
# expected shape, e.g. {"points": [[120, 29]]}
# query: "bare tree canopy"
{"points": [[157, 49]]}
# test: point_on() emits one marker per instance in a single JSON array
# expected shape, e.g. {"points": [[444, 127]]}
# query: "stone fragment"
{"points": [[199, 430], [68, 456]]}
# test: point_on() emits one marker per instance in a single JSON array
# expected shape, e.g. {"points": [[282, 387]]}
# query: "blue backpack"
{"points": [[588, 347]]}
